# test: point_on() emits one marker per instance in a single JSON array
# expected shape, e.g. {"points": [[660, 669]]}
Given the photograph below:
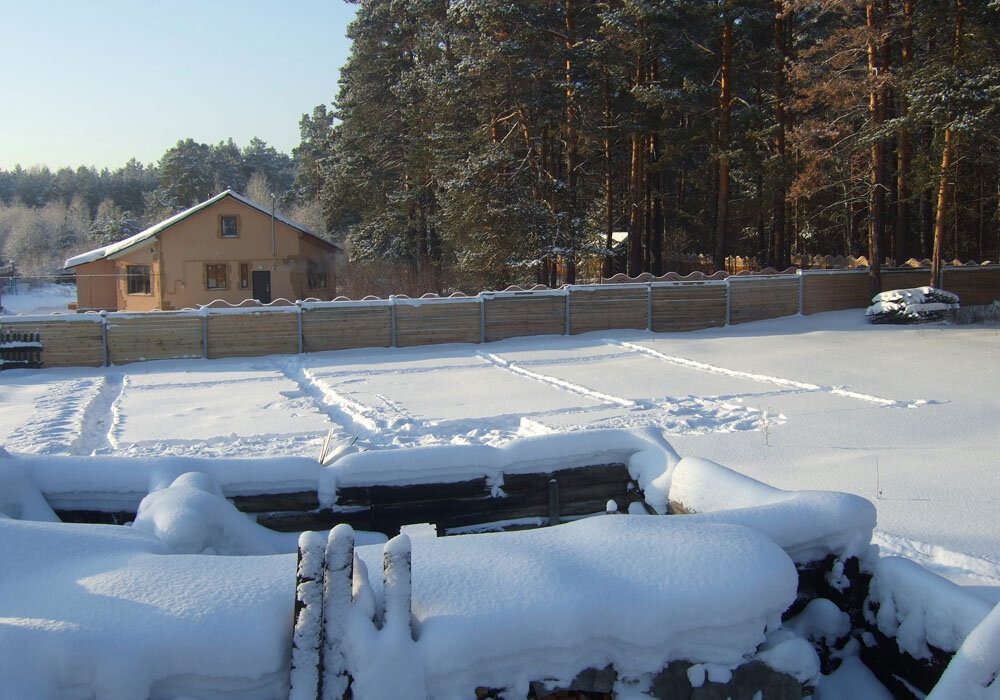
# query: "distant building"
{"points": [[227, 247]]}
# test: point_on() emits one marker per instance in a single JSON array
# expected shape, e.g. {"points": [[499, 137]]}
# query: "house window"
{"points": [[316, 275], [215, 277], [244, 275], [137, 279], [228, 224]]}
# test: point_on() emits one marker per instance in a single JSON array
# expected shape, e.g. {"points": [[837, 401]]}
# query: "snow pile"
{"points": [[191, 516], [809, 525], [504, 609], [100, 611], [911, 305], [974, 671], [41, 298], [921, 609], [20, 498]]}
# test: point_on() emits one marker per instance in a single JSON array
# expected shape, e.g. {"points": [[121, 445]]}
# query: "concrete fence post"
{"points": [[298, 314], [392, 308], [649, 306], [802, 289], [729, 296], [569, 296], [204, 333], [482, 318], [104, 338]]}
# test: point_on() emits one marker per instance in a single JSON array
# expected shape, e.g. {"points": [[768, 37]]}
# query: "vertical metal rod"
{"points": [[802, 290], [104, 337], [482, 318], [298, 313], [649, 306], [569, 296], [729, 294], [392, 306], [204, 334]]}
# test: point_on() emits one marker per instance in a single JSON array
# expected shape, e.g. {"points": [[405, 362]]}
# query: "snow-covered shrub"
{"points": [[917, 305]]}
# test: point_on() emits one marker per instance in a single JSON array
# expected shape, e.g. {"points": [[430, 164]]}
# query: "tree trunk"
{"points": [[572, 147], [609, 209], [946, 160], [876, 223], [725, 109], [904, 155], [781, 15], [636, 185]]}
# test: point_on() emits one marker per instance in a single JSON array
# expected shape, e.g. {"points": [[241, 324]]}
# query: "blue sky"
{"points": [[98, 82]]}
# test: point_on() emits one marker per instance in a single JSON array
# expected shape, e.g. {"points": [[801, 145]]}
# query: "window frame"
{"points": [[244, 275], [224, 267], [317, 271], [223, 218], [138, 280]]}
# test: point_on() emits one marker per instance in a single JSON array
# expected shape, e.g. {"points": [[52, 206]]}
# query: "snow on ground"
{"points": [[32, 298], [904, 416]]}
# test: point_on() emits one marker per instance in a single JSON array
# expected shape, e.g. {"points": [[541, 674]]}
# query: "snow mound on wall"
{"points": [[99, 611], [974, 671], [809, 525], [20, 497], [634, 591], [920, 608]]}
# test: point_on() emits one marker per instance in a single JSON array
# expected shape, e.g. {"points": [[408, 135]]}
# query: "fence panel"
{"points": [[604, 307], [153, 337], [242, 334], [759, 298], [67, 341], [347, 326], [906, 278], [688, 307], [431, 321], [524, 313], [834, 291], [974, 286]]}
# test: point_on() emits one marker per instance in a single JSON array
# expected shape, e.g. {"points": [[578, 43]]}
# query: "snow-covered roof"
{"points": [[123, 245]]}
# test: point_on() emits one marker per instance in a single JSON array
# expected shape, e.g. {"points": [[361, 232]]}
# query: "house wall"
{"points": [[96, 286], [181, 253]]}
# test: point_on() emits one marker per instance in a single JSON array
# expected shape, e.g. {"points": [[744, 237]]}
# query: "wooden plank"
{"points": [[154, 338], [433, 322], [65, 343], [759, 299], [975, 286], [252, 334], [834, 291], [682, 308], [905, 278], [347, 327], [601, 309], [508, 317]]}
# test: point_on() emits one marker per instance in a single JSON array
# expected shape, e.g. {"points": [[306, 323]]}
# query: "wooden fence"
{"points": [[663, 304]]}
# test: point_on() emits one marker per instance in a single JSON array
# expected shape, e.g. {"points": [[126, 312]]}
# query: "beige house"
{"points": [[227, 247]]}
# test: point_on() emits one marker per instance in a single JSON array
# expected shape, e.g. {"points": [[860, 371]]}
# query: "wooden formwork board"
{"points": [[688, 308], [834, 291], [759, 299], [974, 286], [65, 343], [438, 322], [341, 329], [906, 278], [154, 338], [597, 309], [249, 335], [508, 317]]}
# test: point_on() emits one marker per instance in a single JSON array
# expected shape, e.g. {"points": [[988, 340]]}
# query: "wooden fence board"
{"points": [[252, 334], [834, 291], [905, 278], [974, 286], [154, 337], [608, 308], [508, 317], [688, 307], [759, 299], [347, 327], [66, 342], [431, 322]]}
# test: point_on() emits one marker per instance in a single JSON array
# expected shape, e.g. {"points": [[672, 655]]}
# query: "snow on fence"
{"points": [[666, 304]]}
